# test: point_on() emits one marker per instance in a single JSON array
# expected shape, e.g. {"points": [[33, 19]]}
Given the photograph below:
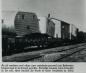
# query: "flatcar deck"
{"points": [[58, 54]]}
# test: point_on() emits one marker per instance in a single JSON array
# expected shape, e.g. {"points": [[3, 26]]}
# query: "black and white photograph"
{"points": [[43, 31]]}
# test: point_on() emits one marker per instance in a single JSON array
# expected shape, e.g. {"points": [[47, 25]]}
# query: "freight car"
{"points": [[81, 37], [24, 28], [64, 32]]}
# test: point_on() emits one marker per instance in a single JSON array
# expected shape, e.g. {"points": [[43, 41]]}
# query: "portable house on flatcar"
{"points": [[64, 30], [26, 23], [46, 26], [25, 28]]}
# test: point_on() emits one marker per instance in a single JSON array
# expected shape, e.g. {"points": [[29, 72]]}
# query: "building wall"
{"points": [[42, 24], [50, 28], [65, 30], [46, 26], [57, 28]]}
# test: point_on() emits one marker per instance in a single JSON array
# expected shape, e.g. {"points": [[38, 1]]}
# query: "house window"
{"points": [[33, 17], [62, 26], [22, 16], [28, 27]]}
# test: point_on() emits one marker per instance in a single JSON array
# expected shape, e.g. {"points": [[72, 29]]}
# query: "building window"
{"points": [[33, 17], [22, 16], [62, 26], [28, 27]]}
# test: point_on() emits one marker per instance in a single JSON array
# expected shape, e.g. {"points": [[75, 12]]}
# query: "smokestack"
{"points": [[49, 15]]}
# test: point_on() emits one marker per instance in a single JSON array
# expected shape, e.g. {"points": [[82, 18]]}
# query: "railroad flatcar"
{"points": [[27, 30]]}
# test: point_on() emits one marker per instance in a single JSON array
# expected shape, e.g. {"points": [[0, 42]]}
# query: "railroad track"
{"points": [[64, 53], [40, 56], [70, 53]]}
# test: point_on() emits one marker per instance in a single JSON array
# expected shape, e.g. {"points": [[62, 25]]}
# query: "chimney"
{"points": [[49, 15]]}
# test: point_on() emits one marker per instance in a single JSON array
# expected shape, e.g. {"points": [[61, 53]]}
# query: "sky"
{"points": [[71, 11]]}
